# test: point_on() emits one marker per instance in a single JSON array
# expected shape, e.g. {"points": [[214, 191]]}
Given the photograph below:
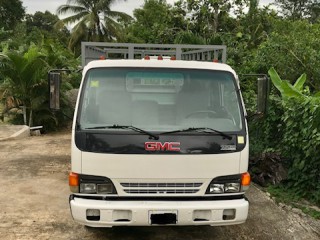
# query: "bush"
{"points": [[291, 128], [301, 144], [265, 132]]}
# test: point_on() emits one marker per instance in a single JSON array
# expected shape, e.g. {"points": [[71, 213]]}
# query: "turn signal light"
{"points": [[74, 182], [73, 179], [245, 179]]}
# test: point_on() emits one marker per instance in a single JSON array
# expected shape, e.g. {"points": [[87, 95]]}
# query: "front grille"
{"points": [[161, 188]]}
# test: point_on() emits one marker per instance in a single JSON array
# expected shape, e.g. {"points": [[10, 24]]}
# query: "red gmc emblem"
{"points": [[158, 146]]}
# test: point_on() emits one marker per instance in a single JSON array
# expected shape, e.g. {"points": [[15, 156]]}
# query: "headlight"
{"points": [[229, 184], [216, 188], [88, 184], [232, 187], [223, 188], [105, 188], [88, 188]]}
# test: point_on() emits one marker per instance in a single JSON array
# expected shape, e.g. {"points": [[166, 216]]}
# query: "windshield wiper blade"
{"points": [[115, 126], [200, 129]]}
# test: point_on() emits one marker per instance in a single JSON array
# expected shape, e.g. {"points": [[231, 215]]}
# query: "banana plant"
{"points": [[286, 89]]}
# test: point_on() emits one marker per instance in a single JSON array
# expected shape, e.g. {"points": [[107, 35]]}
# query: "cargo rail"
{"points": [[97, 50]]}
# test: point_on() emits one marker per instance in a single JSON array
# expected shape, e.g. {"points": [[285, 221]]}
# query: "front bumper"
{"points": [[140, 212]]}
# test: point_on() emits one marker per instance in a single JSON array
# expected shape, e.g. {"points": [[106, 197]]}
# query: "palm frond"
{"points": [[116, 14], [75, 18], [94, 20], [80, 31], [65, 9]]}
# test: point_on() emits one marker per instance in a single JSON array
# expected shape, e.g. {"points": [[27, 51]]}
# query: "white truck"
{"points": [[159, 137]]}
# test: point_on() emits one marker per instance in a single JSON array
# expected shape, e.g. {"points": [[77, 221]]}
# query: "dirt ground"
{"points": [[34, 203]]}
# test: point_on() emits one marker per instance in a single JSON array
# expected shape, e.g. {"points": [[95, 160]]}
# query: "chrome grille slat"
{"points": [[152, 185], [161, 188], [160, 191]]}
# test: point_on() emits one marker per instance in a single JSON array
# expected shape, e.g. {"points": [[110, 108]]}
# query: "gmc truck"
{"points": [[159, 137]]}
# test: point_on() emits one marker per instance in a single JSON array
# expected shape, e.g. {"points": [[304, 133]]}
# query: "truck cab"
{"points": [[159, 141]]}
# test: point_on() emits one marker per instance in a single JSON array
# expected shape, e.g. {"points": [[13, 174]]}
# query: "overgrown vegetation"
{"points": [[287, 138], [299, 137], [292, 129]]}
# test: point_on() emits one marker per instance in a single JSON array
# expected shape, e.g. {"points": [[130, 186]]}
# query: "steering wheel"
{"points": [[210, 112], [201, 112]]}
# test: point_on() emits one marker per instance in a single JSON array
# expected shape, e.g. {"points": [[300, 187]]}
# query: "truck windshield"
{"points": [[160, 99]]}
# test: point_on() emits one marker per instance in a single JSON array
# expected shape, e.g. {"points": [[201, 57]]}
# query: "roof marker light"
{"points": [[173, 58], [102, 57], [160, 57], [215, 60], [147, 57]]}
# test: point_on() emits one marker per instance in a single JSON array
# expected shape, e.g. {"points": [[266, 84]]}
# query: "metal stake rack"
{"points": [[97, 50]]}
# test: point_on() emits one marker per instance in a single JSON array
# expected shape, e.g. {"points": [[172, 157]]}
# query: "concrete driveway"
{"points": [[34, 203]]}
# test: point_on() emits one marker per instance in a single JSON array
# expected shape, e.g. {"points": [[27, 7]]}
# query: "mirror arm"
{"points": [[60, 70], [262, 95]]}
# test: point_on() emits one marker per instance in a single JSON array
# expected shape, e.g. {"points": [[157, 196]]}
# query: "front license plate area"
{"points": [[163, 218]]}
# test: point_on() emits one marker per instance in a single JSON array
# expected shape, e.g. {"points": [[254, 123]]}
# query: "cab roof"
{"points": [[154, 63]]}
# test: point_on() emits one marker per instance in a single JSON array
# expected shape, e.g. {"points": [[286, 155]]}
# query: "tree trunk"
{"points": [[24, 109], [30, 118], [216, 19]]}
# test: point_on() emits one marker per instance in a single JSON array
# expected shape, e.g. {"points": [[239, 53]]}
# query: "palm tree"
{"points": [[93, 19], [23, 75]]}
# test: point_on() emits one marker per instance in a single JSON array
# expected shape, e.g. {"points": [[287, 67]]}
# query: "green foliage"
{"points": [[25, 80], [286, 89], [206, 14], [294, 130], [243, 34], [293, 48], [209, 17], [301, 143], [22, 77], [156, 22], [16, 39], [11, 13], [4, 35], [187, 37], [312, 212], [285, 195], [300, 9], [266, 132], [42, 25]]}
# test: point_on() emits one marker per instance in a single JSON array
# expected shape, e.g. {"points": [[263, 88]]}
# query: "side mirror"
{"points": [[263, 92], [54, 80]]}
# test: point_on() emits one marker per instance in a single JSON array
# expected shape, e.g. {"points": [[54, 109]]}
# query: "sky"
{"points": [[33, 6]]}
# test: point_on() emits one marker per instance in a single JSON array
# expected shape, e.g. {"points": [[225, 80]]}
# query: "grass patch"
{"points": [[288, 197], [282, 194], [311, 212]]}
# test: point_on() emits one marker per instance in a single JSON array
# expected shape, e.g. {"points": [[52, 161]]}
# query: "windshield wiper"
{"points": [[115, 126], [200, 129]]}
